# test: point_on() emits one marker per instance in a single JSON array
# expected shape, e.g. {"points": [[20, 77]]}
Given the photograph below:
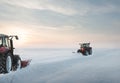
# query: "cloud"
{"points": [[88, 8], [105, 9], [23, 11], [66, 7], [42, 5]]}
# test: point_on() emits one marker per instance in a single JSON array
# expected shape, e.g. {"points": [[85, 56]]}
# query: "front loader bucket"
{"points": [[25, 63]]}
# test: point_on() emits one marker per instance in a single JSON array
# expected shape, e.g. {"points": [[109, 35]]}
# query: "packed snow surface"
{"points": [[65, 66]]}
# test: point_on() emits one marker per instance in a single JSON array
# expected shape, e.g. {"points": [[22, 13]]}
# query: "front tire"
{"points": [[16, 63], [86, 53], [78, 51], [90, 51], [8, 64]]}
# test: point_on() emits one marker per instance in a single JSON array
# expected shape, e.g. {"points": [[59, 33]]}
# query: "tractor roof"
{"points": [[3, 35], [84, 43]]}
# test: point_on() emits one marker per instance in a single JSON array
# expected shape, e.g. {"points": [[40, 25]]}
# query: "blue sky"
{"points": [[62, 22]]}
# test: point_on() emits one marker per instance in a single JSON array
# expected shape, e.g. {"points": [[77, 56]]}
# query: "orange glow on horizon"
{"points": [[37, 37]]}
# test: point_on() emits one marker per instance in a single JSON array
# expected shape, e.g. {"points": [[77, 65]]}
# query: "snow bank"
{"points": [[63, 66]]}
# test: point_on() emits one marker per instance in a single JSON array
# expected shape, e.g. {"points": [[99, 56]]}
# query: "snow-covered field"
{"points": [[64, 66]]}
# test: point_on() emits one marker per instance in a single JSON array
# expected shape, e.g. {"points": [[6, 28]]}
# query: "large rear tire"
{"points": [[5, 63], [16, 63]]}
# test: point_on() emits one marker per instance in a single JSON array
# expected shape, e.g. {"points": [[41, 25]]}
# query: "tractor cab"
{"points": [[6, 42], [85, 45]]}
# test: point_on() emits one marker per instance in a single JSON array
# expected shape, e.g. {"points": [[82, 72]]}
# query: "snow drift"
{"points": [[63, 66]]}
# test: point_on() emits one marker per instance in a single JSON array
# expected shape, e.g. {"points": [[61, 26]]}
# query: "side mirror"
{"points": [[16, 37]]}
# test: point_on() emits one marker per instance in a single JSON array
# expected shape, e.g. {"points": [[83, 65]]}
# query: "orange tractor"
{"points": [[85, 49], [8, 60]]}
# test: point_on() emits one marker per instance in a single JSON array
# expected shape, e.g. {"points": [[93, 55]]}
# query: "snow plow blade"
{"points": [[25, 63]]}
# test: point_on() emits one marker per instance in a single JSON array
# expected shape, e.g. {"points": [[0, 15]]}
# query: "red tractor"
{"points": [[8, 60], [85, 49]]}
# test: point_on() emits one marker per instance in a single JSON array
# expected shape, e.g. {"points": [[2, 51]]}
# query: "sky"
{"points": [[61, 23]]}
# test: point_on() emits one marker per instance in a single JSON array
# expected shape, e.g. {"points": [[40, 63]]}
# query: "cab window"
{"points": [[0, 41], [5, 42]]}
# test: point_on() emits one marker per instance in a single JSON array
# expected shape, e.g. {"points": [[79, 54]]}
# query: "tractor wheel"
{"points": [[16, 63], [5, 63], [90, 51], [78, 51], [86, 53]]}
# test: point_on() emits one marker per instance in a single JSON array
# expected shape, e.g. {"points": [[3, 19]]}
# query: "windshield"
{"points": [[85, 45], [0, 41]]}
